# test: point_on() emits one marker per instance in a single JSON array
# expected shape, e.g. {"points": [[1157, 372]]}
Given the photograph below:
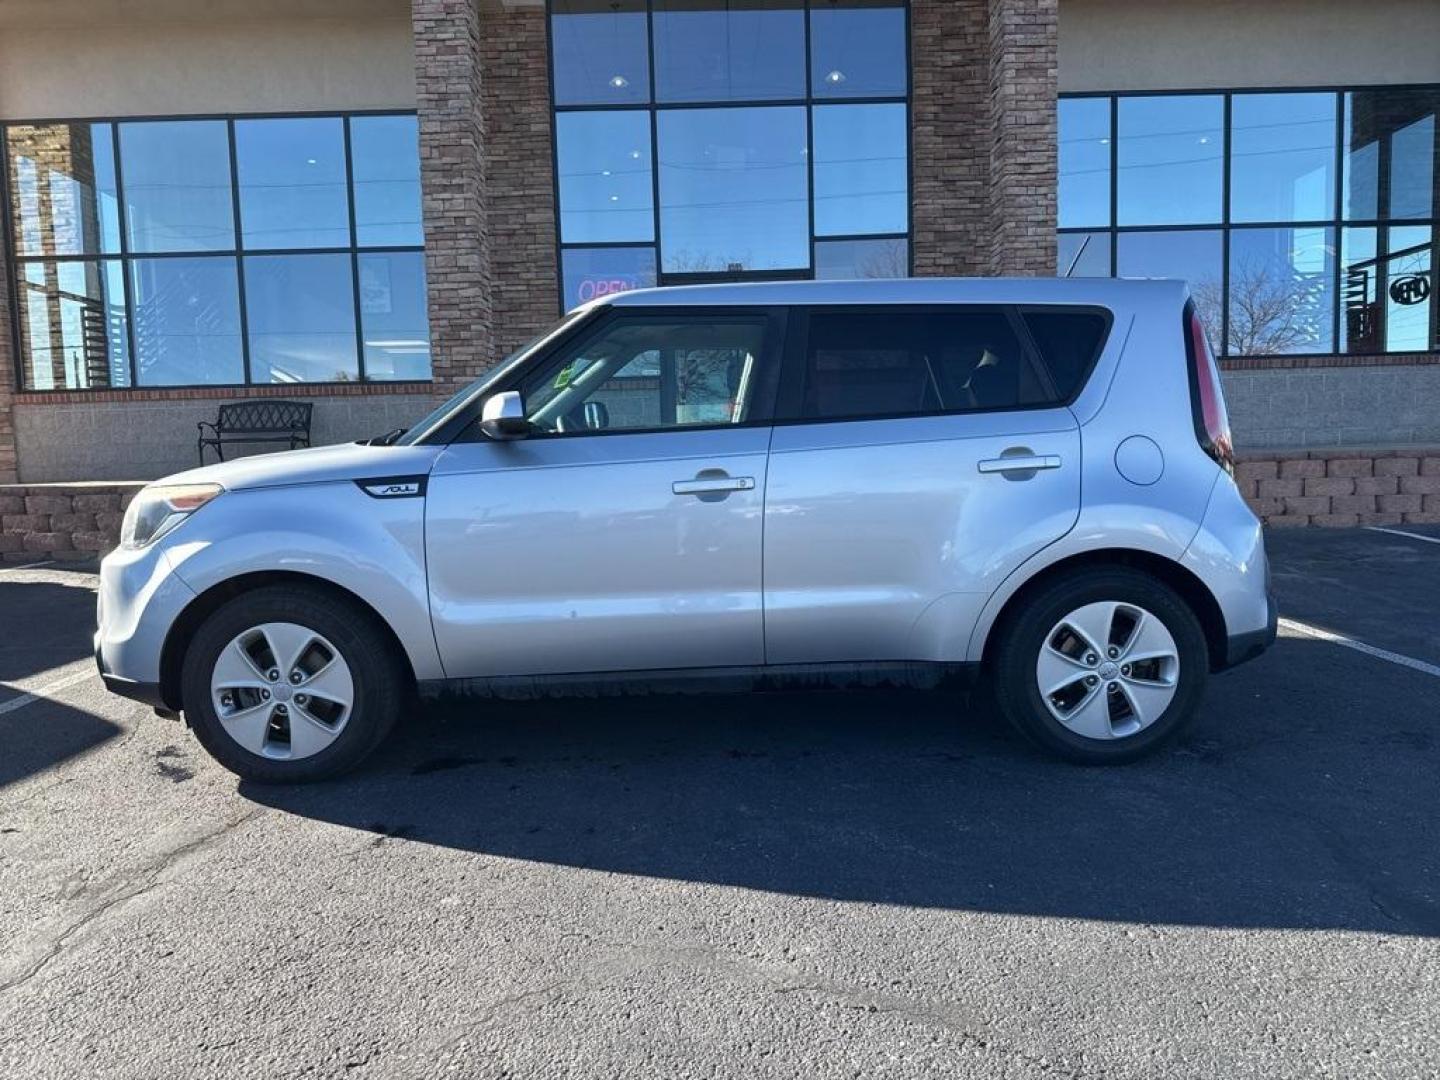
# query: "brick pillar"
{"points": [[518, 170], [1023, 163], [455, 199], [983, 136]]}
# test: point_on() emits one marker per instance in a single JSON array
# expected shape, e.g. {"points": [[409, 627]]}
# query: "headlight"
{"points": [[157, 510]]}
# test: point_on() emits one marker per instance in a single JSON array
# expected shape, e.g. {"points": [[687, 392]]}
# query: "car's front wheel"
{"points": [[290, 683], [1101, 667]]}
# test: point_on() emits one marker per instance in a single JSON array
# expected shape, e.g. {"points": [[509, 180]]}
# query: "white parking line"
{"points": [[1402, 532], [26, 566], [40, 693], [1306, 630]]}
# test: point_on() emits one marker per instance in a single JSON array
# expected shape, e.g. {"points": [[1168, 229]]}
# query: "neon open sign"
{"points": [[590, 288]]}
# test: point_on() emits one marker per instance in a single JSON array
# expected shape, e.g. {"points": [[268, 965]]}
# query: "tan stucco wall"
{"points": [[1191, 44], [78, 58]]}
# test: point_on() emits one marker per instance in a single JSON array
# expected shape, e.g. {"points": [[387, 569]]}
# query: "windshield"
{"points": [[433, 419]]}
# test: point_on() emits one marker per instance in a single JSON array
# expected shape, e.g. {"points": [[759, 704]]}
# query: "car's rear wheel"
{"points": [[288, 684], [1101, 667]]}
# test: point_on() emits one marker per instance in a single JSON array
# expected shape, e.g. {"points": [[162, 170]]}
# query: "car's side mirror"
{"points": [[503, 416]]}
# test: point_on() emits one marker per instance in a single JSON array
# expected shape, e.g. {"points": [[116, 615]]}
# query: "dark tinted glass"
{"points": [[292, 182], [601, 52], [62, 189], [729, 50], [733, 189], [178, 194], [887, 364], [1069, 342], [857, 48]]}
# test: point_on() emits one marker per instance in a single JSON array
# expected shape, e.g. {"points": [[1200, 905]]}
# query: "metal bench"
{"points": [[256, 421]]}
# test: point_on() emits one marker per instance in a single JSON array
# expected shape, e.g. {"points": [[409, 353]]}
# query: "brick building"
{"points": [[363, 203]]}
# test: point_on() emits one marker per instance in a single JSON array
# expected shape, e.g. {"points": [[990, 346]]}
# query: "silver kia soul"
{"points": [[920, 481]]}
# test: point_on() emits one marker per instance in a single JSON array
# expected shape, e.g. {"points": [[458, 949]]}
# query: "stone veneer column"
{"points": [[983, 136], [482, 88], [455, 199]]}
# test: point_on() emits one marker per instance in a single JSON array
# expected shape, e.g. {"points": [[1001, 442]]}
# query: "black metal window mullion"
{"points": [[122, 219], [1337, 277], [354, 252], [239, 257], [8, 238], [1226, 161]]}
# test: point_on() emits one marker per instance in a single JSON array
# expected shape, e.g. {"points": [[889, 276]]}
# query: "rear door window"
{"points": [[907, 362], [1068, 341]]}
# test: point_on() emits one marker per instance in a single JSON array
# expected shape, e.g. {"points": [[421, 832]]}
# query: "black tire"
{"points": [[1018, 694], [379, 674]]}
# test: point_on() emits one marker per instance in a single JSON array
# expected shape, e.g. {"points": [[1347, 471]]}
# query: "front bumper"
{"points": [[146, 692], [140, 598]]}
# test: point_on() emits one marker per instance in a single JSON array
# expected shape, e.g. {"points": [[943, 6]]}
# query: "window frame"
{"points": [[237, 254], [789, 408], [808, 101], [593, 325], [1227, 225]]}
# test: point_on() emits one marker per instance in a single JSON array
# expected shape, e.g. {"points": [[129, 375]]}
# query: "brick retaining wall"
{"points": [[1334, 488]]}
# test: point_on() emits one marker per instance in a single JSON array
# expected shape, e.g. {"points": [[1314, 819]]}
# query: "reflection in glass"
{"points": [[590, 273], [857, 48], [606, 191], [62, 194], [292, 182], [1083, 255], [177, 185], [729, 50], [186, 315], [1282, 156], [733, 189], [848, 260], [393, 318], [1193, 256], [860, 169], [1084, 132], [72, 325], [1387, 296], [600, 50], [1389, 167], [300, 312], [1171, 169], [385, 172], [1281, 295]]}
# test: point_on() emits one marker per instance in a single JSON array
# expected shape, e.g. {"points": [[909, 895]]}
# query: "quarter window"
{"points": [[884, 364]]}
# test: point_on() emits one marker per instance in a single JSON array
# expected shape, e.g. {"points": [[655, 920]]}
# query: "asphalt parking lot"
{"points": [[820, 885]]}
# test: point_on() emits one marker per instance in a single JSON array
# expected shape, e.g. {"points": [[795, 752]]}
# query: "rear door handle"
{"points": [[1020, 463], [711, 485]]}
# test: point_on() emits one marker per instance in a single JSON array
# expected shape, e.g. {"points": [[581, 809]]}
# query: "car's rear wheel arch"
{"points": [[177, 641], [1185, 584]]}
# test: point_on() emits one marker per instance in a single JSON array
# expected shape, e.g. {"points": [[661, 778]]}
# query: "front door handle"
{"points": [[712, 485]]}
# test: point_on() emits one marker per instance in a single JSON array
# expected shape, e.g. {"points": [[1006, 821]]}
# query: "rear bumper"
{"points": [[1249, 645]]}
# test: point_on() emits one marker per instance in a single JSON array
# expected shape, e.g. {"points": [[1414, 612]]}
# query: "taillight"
{"points": [[1212, 424]]}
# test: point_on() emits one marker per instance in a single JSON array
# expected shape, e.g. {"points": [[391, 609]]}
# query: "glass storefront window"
{"points": [[1282, 157], [606, 187], [1387, 302], [292, 183], [186, 321], [857, 49], [394, 325], [1390, 152], [589, 273], [166, 306], [300, 314], [848, 260], [729, 50], [1171, 159], [385, 176], [601, 52], [1083, 255], [733, 189], [860, 166], [1084, 160], [1281, 291], [178, 195], [1192, 255]]}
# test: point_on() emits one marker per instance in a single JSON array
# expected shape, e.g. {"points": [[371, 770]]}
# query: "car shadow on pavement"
{"points": [[46, 626], [1289, 805]]}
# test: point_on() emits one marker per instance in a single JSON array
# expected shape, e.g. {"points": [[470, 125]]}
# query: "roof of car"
{"points": [[1032, 290]]}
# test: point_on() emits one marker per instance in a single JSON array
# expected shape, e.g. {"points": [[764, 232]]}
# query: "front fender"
{"points": [[373, 548]]}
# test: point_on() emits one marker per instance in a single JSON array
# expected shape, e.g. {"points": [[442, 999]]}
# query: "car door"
{"points": [[919, 456], [624, 533]]}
